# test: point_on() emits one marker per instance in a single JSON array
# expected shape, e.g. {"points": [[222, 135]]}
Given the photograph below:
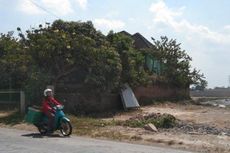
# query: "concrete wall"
{"points": [[211, 93]]}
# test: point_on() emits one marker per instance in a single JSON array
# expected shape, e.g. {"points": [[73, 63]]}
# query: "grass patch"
{"points": [[87, 125], [12, 118], [91, 126]]}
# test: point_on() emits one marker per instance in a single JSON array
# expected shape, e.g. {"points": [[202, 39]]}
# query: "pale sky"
{"points": [[201, 26]]}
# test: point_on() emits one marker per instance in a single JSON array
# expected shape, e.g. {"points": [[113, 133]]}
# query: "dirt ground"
{"points": [[193, 114], [209, 116]]}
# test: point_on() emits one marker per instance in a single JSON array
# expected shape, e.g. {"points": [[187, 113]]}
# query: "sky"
{"points": [[201, 26]]}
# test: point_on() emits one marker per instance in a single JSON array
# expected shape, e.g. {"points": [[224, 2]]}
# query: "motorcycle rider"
{"points": [[48, 105]]}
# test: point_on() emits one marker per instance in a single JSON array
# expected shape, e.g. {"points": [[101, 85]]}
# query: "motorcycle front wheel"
{"points": [[65, 128]]}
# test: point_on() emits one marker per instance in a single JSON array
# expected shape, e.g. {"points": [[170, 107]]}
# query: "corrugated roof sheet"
{"points": [[128, 98]]}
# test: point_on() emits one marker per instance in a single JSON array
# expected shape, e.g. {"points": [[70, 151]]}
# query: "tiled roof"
{"points": [[140, 41]]}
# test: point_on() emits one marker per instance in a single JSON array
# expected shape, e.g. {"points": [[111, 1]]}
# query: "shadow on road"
{"points": [[38, 135]]}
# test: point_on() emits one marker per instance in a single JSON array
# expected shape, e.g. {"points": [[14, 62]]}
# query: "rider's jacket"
{"points": [[48, 104]]}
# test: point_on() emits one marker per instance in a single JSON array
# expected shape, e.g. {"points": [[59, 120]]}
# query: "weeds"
{"points": [[13, 118], [160, 121]]}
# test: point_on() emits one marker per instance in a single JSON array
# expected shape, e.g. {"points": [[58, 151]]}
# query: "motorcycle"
{"points": [[40, 120]]}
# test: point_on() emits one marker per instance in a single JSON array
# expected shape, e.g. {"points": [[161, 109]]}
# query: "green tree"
{"points": [[13, 62], [64, 47], [132, 60], [176, 64], [198, 80]]}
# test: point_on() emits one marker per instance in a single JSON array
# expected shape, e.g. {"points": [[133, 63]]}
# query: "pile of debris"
{"points": [[192, 128], [152, 121], [167, 122]]}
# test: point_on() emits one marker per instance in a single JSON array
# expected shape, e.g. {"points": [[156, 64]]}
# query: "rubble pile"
{"points": [[192, 128], [167, 122]]}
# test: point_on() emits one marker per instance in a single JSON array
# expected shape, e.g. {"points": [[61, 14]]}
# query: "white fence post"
{"points": [[22, 102]]}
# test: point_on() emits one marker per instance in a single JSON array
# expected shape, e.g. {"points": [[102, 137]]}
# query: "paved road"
{"points": [[17, 141]]}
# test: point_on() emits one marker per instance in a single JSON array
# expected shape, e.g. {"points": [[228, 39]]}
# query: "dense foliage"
{"points": [[132, 60], [13, 62], [47, 54], [176, 64], [65, 47]]}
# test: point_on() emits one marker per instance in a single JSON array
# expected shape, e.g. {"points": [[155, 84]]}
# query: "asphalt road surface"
{"points": [[17, 141]]}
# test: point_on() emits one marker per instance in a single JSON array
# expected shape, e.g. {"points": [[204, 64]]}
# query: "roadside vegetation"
{"points": [[11, 118], [159, 120]]}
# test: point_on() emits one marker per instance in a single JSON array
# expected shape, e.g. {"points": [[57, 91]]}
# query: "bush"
{"points": [[159, 120]]}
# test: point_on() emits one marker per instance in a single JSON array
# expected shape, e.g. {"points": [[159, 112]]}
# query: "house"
{"points": [[141, 43]]}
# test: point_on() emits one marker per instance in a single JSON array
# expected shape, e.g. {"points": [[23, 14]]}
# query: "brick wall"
{"points": [[144, 94], [94, 103]]}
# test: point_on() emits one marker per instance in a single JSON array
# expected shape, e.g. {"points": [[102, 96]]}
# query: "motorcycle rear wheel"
{"points": [[43, 129]]}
